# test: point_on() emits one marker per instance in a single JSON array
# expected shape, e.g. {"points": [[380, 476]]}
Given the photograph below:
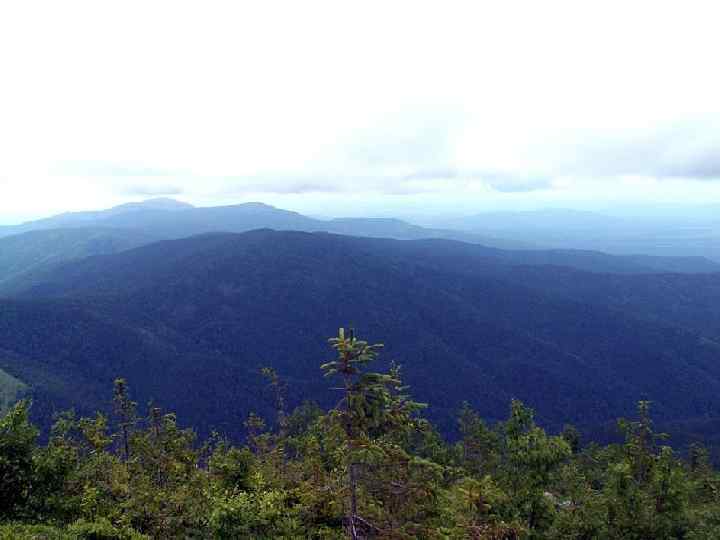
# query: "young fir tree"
{"points": [[373, 403], [531, 457], [125, 411], [279, 389]]}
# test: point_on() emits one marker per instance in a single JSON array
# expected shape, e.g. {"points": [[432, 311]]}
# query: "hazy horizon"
{"points": [[434, 215]]}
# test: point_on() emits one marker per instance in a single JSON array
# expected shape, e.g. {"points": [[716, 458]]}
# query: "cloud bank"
{"points": [[472, 104]]}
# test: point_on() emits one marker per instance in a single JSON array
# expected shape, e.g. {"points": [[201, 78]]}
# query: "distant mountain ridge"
{"points": [[40, 250], [189, 322], [93, 217], [546, 218], [30, 248], [695, 233], [167, 218]]}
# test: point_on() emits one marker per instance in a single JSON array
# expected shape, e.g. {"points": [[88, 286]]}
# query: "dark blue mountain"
{"points": [[189, 322]]}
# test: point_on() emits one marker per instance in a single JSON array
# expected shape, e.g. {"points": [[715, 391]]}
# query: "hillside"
{"points": [[168, 219], [29, 252], [96, 218], [36, 247], [27, 257], [685, 301], [189, 322]]}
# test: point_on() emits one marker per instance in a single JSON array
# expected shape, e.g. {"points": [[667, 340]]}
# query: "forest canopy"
{"points": [[370, 467]]}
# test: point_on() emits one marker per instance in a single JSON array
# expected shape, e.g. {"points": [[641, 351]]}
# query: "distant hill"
{"points": [[35, 247], [551, 218], [189, 322], [689, 231], [23, 254], [168, 219], [101, 218]]}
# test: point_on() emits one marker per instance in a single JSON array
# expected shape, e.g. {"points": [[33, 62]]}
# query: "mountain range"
{"points": [[579, 336], [667, 231], [168, 218], [34, 247]]}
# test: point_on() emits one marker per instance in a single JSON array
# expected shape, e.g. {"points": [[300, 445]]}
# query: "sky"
{"points": [[358, 108]]}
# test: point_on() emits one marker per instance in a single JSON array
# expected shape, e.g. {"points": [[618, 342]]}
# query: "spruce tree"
{"points": [[373, 403], [125, 412]]}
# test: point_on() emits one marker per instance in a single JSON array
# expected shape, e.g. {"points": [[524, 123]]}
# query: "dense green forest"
{"points": [[190, 322], [372, 466]]}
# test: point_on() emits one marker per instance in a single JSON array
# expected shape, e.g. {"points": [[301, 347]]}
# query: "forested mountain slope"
{"points": [[36, 247], [167, 219], [31, 258], [686, 301], [32, 251], [189, 322]]}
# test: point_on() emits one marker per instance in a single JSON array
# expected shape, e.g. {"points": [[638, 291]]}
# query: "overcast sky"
{"points": [[340, 108]]}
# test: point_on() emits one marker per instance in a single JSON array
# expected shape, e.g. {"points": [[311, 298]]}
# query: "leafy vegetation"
{"points": [[372, 466]]}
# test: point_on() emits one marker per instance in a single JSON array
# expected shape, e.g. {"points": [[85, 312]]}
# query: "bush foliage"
{"points": [[371, 467]]}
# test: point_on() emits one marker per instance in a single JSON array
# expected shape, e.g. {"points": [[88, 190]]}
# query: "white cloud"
{"points": [[470, 101]]}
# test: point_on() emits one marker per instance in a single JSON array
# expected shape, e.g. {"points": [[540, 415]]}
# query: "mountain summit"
{"points": [[166, 218], [158, 203]]}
